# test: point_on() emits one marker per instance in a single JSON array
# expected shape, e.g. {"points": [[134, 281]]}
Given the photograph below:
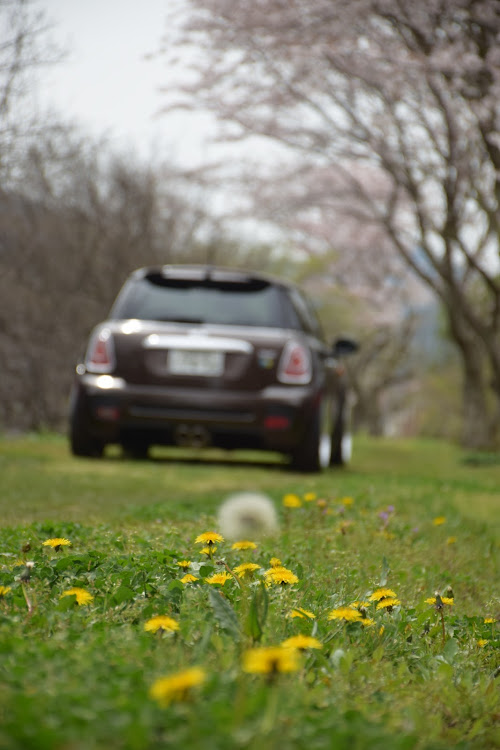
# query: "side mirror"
{"points": [[344, 347]]}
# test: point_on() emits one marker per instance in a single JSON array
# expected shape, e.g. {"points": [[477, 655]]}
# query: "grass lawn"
{"points": [[389, 575]]}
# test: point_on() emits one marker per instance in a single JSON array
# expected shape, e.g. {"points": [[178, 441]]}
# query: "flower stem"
{"points": [[29, 603], [271, 711], [442, 626], [236, 579]]}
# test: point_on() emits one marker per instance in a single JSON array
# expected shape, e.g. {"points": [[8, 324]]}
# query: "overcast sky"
{"points": [[107, 84]]}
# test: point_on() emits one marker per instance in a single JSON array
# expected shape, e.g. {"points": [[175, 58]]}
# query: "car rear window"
{"points": [[254, 302]]}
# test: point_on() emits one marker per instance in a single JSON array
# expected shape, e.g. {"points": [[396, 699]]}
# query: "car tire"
{"points": [[83, 444], [313, 453]]}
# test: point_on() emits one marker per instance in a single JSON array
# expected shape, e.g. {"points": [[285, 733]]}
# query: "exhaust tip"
{"points": [[192, 436]]}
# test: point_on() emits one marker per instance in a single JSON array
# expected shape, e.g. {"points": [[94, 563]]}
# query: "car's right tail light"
{"points": [[101, 352], [295, 366]]}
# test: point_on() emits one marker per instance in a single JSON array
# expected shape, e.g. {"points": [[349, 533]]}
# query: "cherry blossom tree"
{"points": [[395, 104]]}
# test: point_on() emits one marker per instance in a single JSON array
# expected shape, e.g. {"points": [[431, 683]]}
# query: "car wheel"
{"points": [[341, 438], [314, 450], [82, 443]]}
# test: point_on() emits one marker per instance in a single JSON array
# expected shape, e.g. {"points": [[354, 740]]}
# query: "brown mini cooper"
{"points": [[199, 356]]}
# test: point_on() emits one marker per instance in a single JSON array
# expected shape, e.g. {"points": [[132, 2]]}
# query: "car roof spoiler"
{"points": [[204, 273]]}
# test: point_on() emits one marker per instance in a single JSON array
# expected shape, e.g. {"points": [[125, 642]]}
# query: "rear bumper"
{"points": [[272, 419]]}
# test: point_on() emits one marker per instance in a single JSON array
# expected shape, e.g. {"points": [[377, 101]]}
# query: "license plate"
{"points": [[193, 362]]}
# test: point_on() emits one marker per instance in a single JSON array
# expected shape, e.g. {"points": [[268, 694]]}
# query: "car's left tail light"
{"points": [[295, 366], [101, 352]]}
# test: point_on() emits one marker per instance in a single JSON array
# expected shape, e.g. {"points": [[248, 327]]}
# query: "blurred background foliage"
{"points": [[77, 217]]}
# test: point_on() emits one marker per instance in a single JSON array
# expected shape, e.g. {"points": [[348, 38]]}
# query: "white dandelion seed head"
{"points": [[247, 515]]}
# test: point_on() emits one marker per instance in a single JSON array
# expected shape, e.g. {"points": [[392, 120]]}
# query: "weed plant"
{"points": [[369, 620]]}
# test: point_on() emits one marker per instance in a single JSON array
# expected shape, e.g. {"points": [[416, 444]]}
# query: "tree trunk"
{"points": [[477, 428], [477, 432]]}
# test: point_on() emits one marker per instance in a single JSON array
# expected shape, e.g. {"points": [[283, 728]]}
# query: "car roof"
{"points": [[206, 272]]}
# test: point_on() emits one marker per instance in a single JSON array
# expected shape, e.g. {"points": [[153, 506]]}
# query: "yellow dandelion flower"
{"points": [[209, 537], [161, 622], [381, 630], [309, 497], [367, 622], [4, 590], [388, 603], [83, 597], [189, 578], [321, 503], [302, 642], [489, 619], [281, 576], [438, 521], [302, 613], [451, 540], [246, 570], [244, 545], [482, 642], [358, 605], [292, 501], [270, 660], [176, 687], [275, 562], [346, 500], [348, 614], [382, 593], [184, 564], [219, 578], [57, 543], [208, 551]]}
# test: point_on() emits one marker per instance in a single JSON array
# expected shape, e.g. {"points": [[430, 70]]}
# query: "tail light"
{"points": [[101, 353], [295, 365]]}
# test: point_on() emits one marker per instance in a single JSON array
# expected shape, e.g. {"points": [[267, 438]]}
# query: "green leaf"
{"points": [[254, 626], [446, 670], [176, 584], [66, 603], [385, 572], [265, 602], [203, 644], [345, 662], [173, 593], [206, 570], [123, 594], [450, 650], [68, 561], [477, 728], [224, 614]]}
